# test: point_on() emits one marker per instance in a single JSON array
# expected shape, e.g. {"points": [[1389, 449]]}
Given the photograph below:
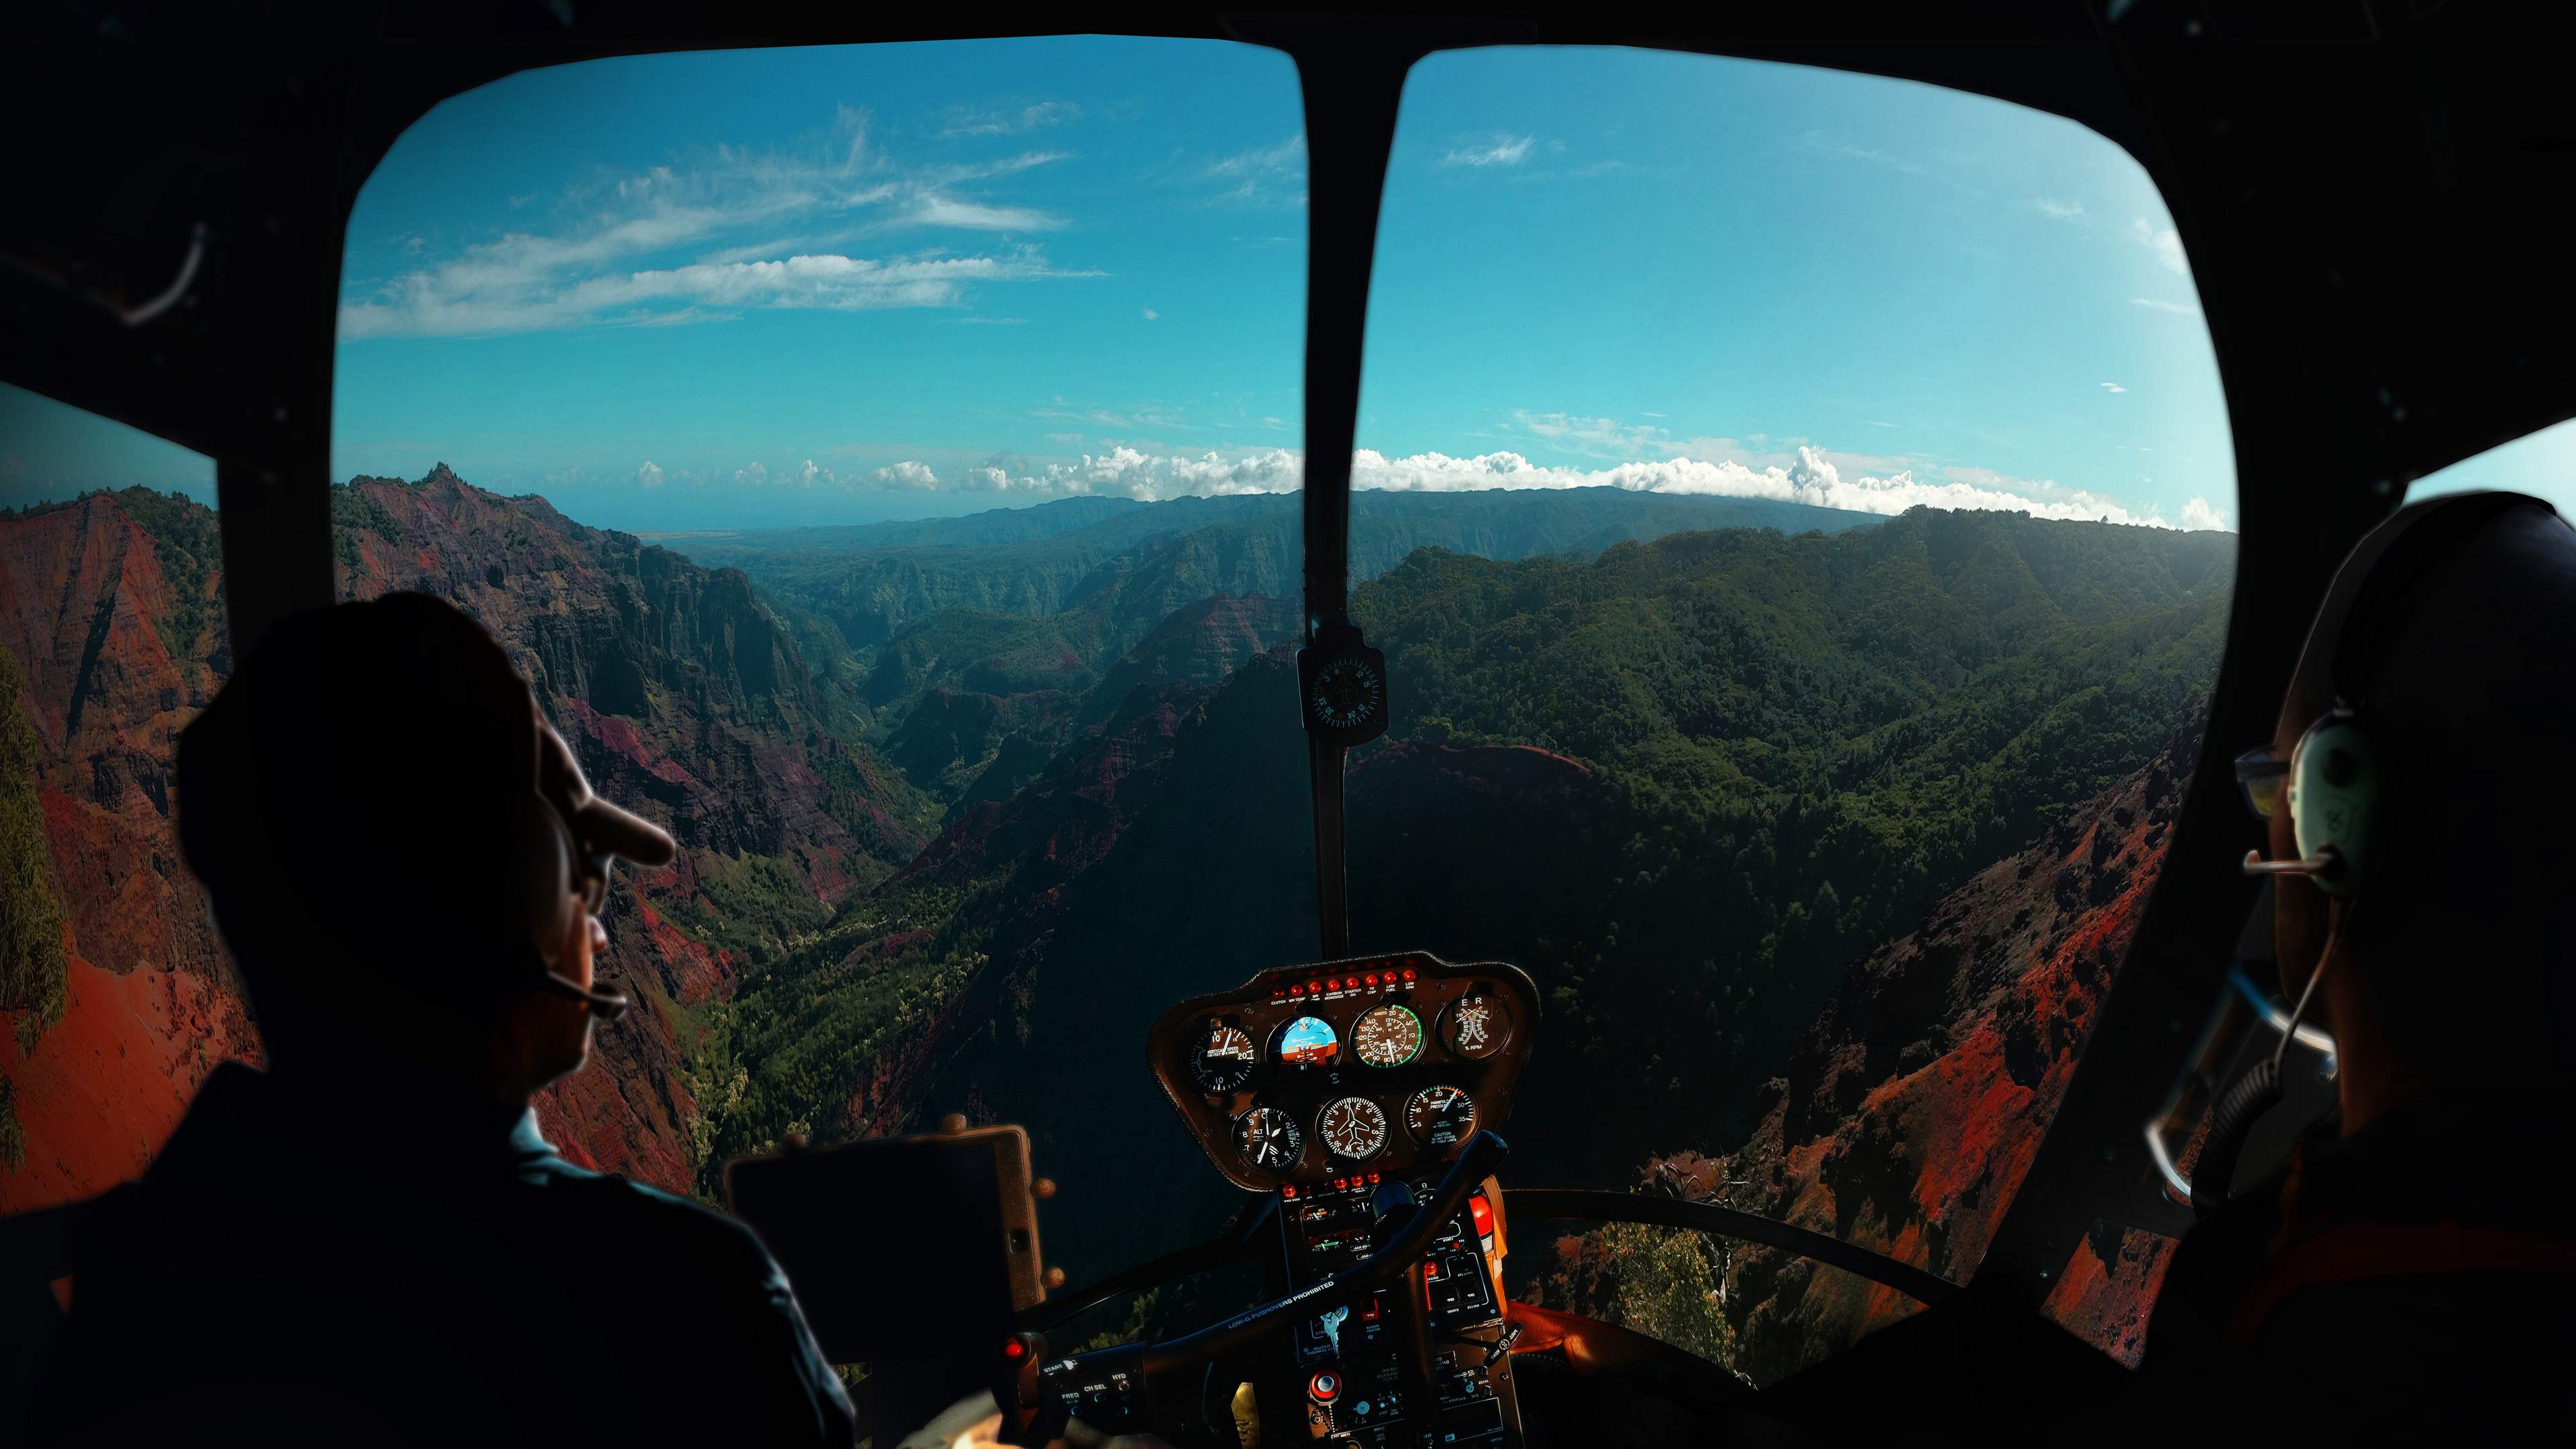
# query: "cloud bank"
{"points": [[1811, 478]]}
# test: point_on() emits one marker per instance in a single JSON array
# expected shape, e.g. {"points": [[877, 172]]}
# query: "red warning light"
{"points": [[1340, 1182], [1372, 1177], [1408, 973], [1332, 983], [1296, 990], [1013, 1349], [1371, 978], [1314, 985], [1483, 1212]]}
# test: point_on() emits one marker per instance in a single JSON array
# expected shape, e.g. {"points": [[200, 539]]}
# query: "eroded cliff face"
{"points": [[149, 1005], [1919, 1099], [684, 699]]}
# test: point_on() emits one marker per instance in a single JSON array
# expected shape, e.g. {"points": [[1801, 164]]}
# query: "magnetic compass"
{"points": [[1341, 686], [1346, 693]]}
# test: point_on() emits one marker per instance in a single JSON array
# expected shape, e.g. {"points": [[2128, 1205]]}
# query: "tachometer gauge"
{"points": [[1353, 1128], [1476, 1026], [1440, 1117], [1268, 1138], [1224, 1059], [1387, 1036], [1308, 1042]]}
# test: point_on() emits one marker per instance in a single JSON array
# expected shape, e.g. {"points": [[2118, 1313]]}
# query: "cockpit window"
{"points": [[1810, 714], [2542, 464], [115, 994]]}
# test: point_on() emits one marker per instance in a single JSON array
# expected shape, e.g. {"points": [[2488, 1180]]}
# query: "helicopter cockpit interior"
{"points": [[1839, 906]]}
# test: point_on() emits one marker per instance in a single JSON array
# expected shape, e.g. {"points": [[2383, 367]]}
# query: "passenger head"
{"points": [[2463, 661], [395, 853]]}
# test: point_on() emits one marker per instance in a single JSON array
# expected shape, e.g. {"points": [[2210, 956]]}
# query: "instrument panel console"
{"points": [[1372, 1067]]}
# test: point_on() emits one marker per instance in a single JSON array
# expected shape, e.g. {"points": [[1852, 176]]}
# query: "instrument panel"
{"points": [[1367, 1067]]}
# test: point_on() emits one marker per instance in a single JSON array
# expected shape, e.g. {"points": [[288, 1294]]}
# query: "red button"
{"points": [[1324, 1386], [1013, 1349], [1483, 1212]]}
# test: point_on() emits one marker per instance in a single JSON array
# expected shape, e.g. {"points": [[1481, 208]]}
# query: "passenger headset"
{"points": [[2337, 792]]}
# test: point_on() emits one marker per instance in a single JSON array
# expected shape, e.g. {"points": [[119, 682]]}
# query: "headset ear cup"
{"points": [[2334, 798]]}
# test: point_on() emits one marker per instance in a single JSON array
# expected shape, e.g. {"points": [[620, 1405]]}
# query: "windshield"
{"points": [[1850, 477], [1793, 507]]}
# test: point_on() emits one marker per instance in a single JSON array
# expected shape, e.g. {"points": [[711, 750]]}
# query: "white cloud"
{"points": [[1491, 151], [2179, 309], [2113, 387], [2197, 514], [648, 476], [1007, 120], [2165, 242], [1151, 314], [2060, 210], [724, 228], [907, 474], [751, 477], [1273, 175]]}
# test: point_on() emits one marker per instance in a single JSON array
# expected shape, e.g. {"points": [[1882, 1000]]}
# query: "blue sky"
{"points": [[839, 284]]}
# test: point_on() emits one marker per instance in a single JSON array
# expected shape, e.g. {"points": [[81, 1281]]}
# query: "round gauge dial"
{"points": [[1346, 693], [1308, 1042], [1268, 1138], [1440, 1116], [1224, 1058], [1353, 1128], [1387, 1036], [1476, 1026]]}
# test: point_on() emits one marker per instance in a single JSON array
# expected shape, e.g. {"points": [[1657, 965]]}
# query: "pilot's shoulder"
{"points": [[619, 1214]]}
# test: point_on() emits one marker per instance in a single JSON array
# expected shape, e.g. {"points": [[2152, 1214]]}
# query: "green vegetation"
{"points": [[1668, 1287], [33, 970], [805, 1033]]}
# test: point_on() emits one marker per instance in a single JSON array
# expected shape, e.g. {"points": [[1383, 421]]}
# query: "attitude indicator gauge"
{"points": [[1268, 1139], [1440, 1117], [1387, 1036], [1308, 1042], [1353, 1128], [1224, 1058]]}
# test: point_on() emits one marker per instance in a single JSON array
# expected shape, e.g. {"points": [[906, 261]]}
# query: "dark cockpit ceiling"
{"points": [[2363, 186]]}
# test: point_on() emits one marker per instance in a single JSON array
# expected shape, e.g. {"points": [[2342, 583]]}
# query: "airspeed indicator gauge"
{"points": [[1268, 1139], [1387, 1036], [1224, 1058], [1353, 1128], [1440, 1117]]}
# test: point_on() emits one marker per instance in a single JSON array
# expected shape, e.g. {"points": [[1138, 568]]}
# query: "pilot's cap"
{"points": [[382, 811]]}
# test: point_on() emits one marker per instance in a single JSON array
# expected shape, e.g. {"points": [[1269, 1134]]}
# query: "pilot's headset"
{"points": [[2336, 782], [569, 844]]}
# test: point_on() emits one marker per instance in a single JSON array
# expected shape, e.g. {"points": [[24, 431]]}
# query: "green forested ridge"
{"points": [[871, 581]]}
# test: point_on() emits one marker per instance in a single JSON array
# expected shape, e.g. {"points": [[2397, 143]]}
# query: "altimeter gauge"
{"points": [[1353, 1128], [1476, 1026], [1224, 1058], [1387, 1036], [1440, 1117], [1268, 1139]]}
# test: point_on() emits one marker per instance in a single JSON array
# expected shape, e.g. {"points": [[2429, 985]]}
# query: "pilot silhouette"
{"points": [[369, 1241], [2404, 1277]]}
